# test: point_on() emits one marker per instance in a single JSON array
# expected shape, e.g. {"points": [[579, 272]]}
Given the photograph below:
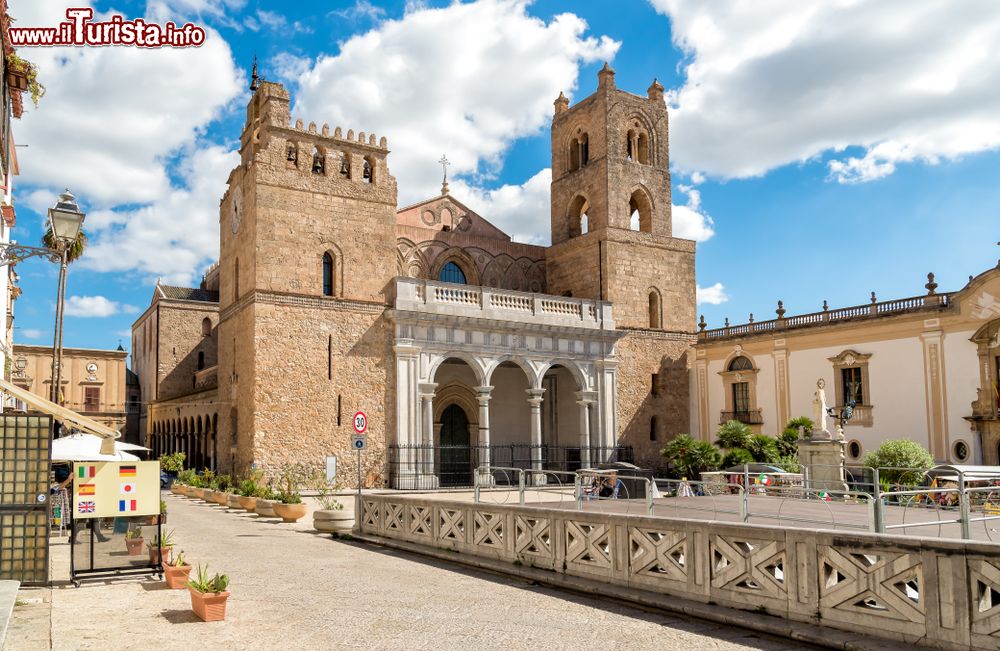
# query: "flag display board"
{"points": [[107, 489]]}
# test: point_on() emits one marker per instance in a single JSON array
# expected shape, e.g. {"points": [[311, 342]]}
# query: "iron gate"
{"points": [[25, 460]]}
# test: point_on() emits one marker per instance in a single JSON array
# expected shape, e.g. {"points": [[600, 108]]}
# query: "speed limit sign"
{"points": [[360, 422]]}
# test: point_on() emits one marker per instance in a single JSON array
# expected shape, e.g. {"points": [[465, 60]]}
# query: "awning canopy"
{"points": [[87, 447], [67, 417]]}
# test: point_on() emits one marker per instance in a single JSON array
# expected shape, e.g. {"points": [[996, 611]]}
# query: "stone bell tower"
{"points": [[611, 212], [307, 257]]}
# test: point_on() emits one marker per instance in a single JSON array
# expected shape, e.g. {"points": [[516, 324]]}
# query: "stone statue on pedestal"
{"points": [[820, 412]]}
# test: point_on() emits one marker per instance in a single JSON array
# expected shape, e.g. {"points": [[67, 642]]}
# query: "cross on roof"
{"points": [[444, 162]]}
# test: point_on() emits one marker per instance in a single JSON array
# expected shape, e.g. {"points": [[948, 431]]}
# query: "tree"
{"points": [[733, 435], [911, 457], [762, 448], [690, 457], [736, 457], [75, 249], [805, 422]]}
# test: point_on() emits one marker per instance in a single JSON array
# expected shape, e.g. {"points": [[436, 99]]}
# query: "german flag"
{"points": [[126, 471], [86, 489]]}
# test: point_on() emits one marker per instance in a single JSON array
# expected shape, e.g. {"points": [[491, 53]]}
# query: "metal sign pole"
{"points": [[359, 473]]}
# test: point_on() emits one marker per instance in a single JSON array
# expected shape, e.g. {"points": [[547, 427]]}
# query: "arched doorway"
{"points": [[456, 454]]}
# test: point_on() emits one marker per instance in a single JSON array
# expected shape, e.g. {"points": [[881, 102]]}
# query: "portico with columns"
{"points": [[492, 378]]}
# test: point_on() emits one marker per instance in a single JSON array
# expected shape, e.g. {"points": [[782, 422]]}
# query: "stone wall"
{"points": [[316, 364], [180, 340], [641, 354], [935, 593]]}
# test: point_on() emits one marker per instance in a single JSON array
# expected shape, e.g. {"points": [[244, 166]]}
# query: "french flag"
{"points": [[126, 505]]}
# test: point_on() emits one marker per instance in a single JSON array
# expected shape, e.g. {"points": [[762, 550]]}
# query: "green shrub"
{"points": [[903, 454], [788, 463], [173, 463], [762, 448], [736, 457]]}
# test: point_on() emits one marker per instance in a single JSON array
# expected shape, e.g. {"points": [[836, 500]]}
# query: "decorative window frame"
{"points": [[954, 451], [461, 258], [861, 450], [729, 378], [850, 358]]}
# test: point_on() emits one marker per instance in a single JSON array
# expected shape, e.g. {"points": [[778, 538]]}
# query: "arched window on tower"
{"points": [[452, 273], [641, 212], [369, 170], [643, 152], [201, 359], [318, 162], [292, 153], [629, 145], [584, 150], [654, 309], [329, 282], [577, 220], [345, 165], [206, 327], [574, 155]]}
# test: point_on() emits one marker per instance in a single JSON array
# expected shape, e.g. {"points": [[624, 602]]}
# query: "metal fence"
{"points": [[428, 467]]}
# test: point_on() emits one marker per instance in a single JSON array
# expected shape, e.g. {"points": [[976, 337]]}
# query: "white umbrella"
{"points": [[87, 447]]}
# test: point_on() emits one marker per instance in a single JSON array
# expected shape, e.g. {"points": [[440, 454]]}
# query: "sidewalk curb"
{"points": [[762, 623]]}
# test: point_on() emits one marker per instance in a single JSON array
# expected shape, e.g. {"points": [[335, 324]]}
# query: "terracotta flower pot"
{"points": [[221, 498], [177, 489], [159, 554], [234, 502], [265, 508], [209, 606], [248, 503], [199, 493], [134, 546], [333, 521], [176, 577], [289, 512]]}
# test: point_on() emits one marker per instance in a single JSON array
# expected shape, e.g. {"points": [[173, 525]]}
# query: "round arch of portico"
{"points": [[477, 365], [572, 367], [534, 380]]}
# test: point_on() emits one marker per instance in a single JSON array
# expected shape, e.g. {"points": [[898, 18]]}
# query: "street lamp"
{"points": [[65, 220]]}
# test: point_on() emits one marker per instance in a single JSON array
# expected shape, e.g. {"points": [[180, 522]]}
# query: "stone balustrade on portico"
{"points": [[434, 297]]}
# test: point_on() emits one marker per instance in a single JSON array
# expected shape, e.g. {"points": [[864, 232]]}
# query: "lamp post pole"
{"points": [[57, 336]]}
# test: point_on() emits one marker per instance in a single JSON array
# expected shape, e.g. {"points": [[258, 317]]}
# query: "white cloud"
{"points": [[521, 210], [172, 237], [361, 9], [772, 83], [113, 116], [122, 148], [470, 95], [689, 220], [95, 306], [713, 295], [31, 333]]}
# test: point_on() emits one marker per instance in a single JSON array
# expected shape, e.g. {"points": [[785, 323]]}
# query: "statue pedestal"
{"points": [[822, 457]]}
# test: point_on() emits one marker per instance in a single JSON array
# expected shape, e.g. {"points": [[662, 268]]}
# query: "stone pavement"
{"points": [[294, 588]]}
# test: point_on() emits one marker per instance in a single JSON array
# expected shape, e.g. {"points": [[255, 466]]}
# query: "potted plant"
{"points": [[159, 548], [173, 464], [264, 505], [209, 595], [205, 485], [289, 506], [23, 75], [222, 485], [133, 541], [176, 572], [249, 490], [331, 517]]}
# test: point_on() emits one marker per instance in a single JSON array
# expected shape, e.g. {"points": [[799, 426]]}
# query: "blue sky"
{"points": [[818, 152]]}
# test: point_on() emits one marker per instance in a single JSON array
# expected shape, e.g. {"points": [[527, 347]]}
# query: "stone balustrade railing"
{"points": [[939, 593], [874, 309], [206, 377], [435, 297]]}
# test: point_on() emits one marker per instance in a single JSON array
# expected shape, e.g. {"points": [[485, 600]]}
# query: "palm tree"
{"points": [[75, 249], [733, 435], [690, 457], [762, 448]]}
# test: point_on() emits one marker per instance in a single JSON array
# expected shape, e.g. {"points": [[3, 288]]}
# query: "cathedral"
{"points": [[465, 349]]}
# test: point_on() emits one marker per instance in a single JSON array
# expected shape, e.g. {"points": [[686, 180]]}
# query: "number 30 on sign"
{"points": [[360, 422]]}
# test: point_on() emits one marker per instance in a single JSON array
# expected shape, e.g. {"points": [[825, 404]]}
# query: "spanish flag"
{"points": [[126, 471], [86, 489]]}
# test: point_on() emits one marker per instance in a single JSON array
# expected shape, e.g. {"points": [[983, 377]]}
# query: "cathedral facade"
{"points": [[465, 349]]}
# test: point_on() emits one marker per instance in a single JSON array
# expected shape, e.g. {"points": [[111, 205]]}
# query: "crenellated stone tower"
{"points": [[612, 239], [307, 255]]}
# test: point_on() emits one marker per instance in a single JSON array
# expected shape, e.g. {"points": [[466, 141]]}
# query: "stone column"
{"points": [[535, 401], [607, 415], [426, 458], [823, 458], [585, 401], [483, 396], [408, 420]]}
